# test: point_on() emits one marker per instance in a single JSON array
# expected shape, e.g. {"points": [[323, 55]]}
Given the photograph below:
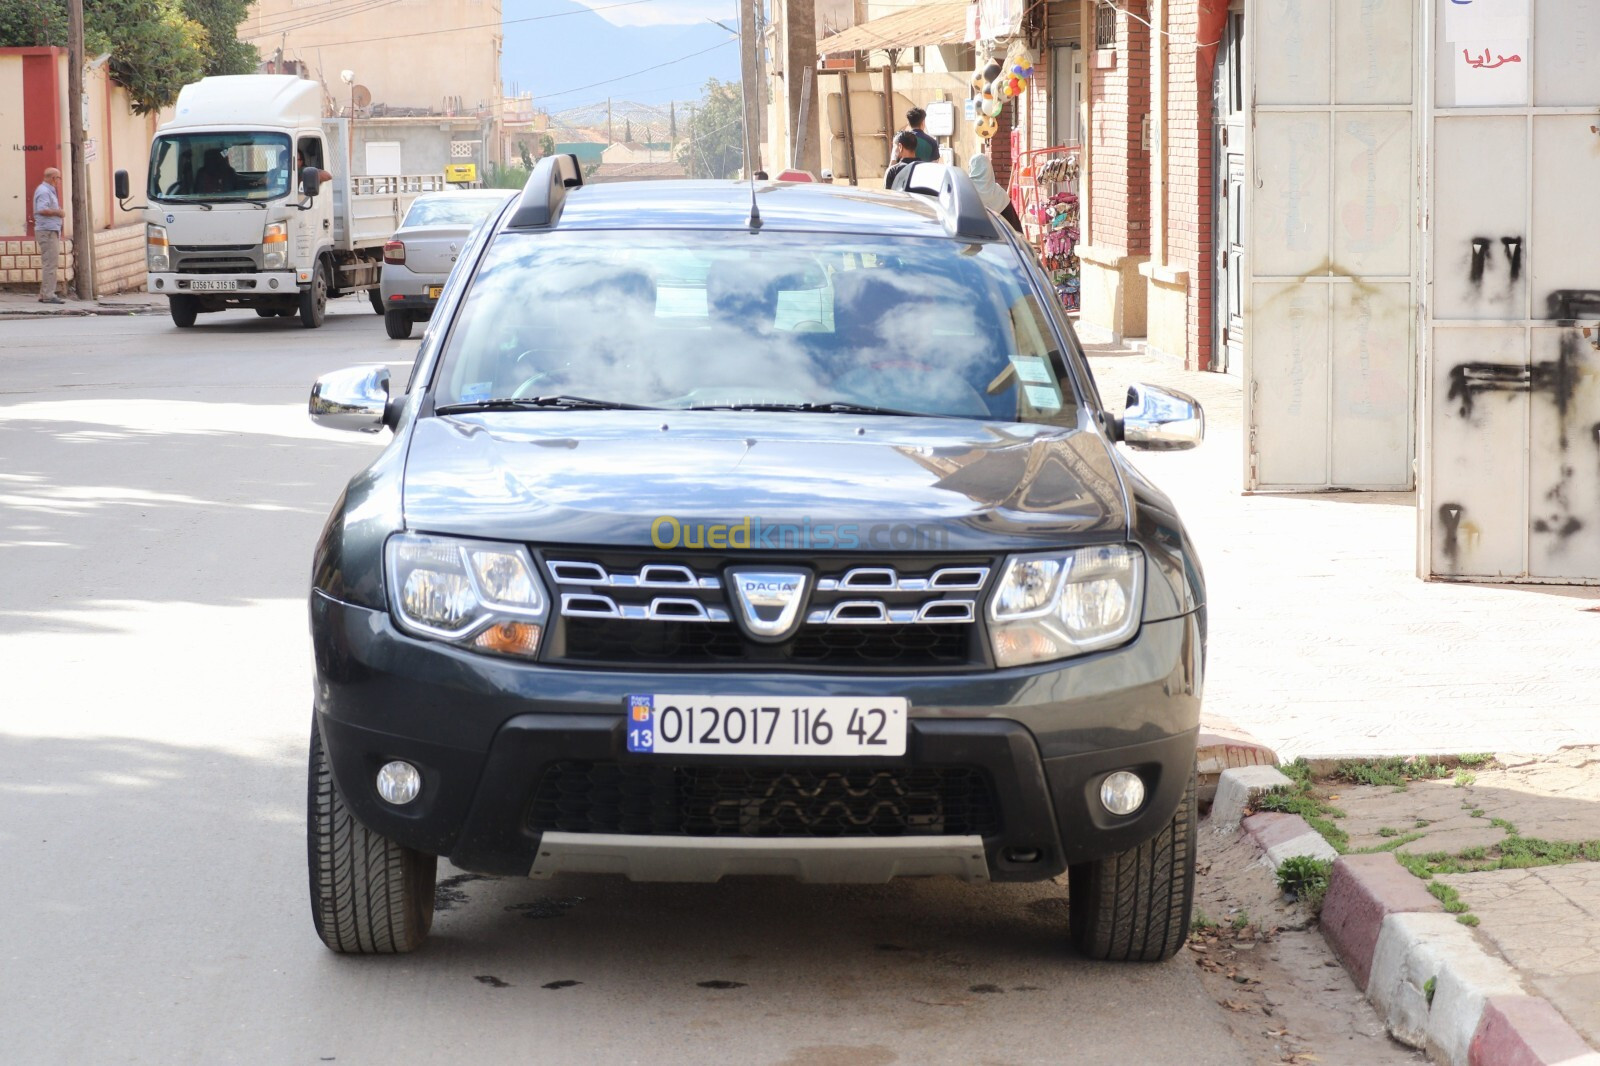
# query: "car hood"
{"points": [[609, 477]]}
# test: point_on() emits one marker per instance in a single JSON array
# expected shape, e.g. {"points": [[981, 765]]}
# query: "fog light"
{"points": [[161, 283], [272, 283], [1122, 792], [399, 783]]}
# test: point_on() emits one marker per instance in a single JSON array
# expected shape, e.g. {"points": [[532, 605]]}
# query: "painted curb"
{"points": [[1393, 937], [1363, 890], [1527, 1031], [1223, 746], [1236, 789]]}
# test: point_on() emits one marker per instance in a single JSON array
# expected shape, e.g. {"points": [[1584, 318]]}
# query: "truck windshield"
{"points": [[814, 322], [220, 166]]}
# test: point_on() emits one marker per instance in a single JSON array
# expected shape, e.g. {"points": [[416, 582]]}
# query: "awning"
{"points": [[925, 24]]}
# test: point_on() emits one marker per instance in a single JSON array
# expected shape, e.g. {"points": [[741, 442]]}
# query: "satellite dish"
{"points": [[360, 95]]}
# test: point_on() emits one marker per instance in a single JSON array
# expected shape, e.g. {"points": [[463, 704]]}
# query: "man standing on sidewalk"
{"points": [[47, 215]]}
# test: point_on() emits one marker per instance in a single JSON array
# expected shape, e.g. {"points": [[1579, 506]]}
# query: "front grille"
{"points": [[216, 266], [721, 801], [907, 614], [215, 258]]}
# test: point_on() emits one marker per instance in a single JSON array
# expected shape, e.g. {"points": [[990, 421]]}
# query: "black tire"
{"points": [[314, 298], [288, 312], [1134, 907], [375, 294], [184, 310], [397, 324], [369, 895], [265, 312]]}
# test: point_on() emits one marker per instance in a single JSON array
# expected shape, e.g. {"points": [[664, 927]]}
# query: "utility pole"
{"points": [[609, 139], [750, 84], [799, 75], [82, 225]]}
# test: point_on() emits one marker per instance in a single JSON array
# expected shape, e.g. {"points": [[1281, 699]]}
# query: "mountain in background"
{"points": [[554, 57]]}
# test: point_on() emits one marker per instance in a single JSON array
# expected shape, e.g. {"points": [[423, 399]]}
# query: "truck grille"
{"points": [[720, 801], [625, 611], [215, 258]]}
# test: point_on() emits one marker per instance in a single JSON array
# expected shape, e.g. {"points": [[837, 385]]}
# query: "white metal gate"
{"points": [[1511, 432], [1331, 265]]}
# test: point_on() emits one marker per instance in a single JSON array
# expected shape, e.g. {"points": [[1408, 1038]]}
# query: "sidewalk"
{"points": [[1323, 641], [20, 302]]}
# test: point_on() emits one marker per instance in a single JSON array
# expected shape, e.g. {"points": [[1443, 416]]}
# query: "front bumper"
{"points": [[232, 286], [484, 731]]}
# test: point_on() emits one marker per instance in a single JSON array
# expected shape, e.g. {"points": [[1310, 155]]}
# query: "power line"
{"points": [[644, 70], [290, 22]]}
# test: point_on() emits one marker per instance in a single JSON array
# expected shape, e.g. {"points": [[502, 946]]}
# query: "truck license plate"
{"points": [[766, 725], [212, 286]]}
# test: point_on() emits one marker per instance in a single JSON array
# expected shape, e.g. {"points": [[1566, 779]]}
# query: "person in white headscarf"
{"points": [[990, 192]]}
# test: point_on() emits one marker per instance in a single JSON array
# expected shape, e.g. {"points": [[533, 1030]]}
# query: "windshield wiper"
{"points": [[534, 403], [831, 407], [238, 200]]}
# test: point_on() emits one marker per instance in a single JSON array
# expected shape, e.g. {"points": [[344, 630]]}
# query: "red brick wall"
{"points": [[1120, 164], [1196, 26]]}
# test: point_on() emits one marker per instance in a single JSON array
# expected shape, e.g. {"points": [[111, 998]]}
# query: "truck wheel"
{"points": [[369, 895], [397, 324], [1134, 907], [184, 309], [376, 296], [265, 312], [314, 298]]}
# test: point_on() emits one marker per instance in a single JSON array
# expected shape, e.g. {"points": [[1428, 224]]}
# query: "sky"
{"points": [[593, 54]]}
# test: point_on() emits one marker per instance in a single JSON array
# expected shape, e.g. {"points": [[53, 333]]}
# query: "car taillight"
{"points": [[394, 252]]}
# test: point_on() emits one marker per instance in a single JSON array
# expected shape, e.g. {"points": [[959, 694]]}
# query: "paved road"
{"points": [[160, 491]]}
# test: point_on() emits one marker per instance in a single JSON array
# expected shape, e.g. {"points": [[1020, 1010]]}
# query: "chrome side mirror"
{"points": [[354, 398], [1162, 420]]}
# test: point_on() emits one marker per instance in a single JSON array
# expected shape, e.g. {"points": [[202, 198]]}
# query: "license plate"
{"points": [[434, 291], [213, 286], [766, 725]]}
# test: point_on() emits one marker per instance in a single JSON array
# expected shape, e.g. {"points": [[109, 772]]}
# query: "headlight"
{"points": [[157, 257], [478, 594], [1063, 604], [275, 246]]}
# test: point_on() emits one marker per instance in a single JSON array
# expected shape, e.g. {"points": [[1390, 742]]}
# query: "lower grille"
{"points": [[721, 801], [216, 266]]}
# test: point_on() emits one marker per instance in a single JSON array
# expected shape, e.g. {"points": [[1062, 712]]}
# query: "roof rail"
{"points": [[546, 192], [960, 207]]}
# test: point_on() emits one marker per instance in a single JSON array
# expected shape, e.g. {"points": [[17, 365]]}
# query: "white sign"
{"points": [[1490, 73], [1485, 20], [941, 121]]}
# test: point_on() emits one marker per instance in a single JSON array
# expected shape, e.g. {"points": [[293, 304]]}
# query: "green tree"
{"points": [[714, 147], [547, 145], [157, 46]]}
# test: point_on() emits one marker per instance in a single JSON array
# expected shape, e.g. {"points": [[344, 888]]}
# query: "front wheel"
{"points": [[184, 309], [397, 324], [369, 895], [1134, 907], [314, 298]]}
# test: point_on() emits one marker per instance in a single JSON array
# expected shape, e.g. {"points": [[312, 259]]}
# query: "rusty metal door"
{"points": [[1331, 277], [1511, 429]]}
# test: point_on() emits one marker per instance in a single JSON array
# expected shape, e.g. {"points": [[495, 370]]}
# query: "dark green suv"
{"points": [[753, 529]]}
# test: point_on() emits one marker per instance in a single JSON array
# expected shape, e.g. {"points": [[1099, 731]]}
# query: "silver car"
{"points": [[418, 258]]}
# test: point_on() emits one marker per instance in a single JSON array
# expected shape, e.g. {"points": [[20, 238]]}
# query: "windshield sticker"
{"points": [[1043, 397], [478, 390], [1032, 370]]}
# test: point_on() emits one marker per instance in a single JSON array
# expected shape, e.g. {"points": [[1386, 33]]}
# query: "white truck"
{"points": [[253, 202]]}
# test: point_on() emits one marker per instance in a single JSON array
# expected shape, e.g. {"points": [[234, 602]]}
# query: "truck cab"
{"points": [[249, 200]]}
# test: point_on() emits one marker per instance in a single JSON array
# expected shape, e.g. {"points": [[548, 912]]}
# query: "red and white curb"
{"points": [[1432, 979]]}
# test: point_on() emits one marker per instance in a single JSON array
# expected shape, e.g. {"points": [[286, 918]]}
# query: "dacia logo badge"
{"points": [[767, 602]]}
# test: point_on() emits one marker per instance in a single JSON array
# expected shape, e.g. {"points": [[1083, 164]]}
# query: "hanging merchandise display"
{"points": [[1047, 183]]}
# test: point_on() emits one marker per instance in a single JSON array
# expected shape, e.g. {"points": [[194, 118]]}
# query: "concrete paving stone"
{"points": [[1453, 840], [1577, 998], [1526, 1031]]}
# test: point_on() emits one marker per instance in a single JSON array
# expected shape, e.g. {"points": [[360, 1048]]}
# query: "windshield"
{"points": [[219, 166], [711, 319], [451, 210]]}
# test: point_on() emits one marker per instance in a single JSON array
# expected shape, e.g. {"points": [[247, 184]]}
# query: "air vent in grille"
{"points": [[622, 609], [607, 797]]}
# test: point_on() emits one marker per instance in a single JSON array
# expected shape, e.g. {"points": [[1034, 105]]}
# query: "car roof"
{"points": [[785, 206]]}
